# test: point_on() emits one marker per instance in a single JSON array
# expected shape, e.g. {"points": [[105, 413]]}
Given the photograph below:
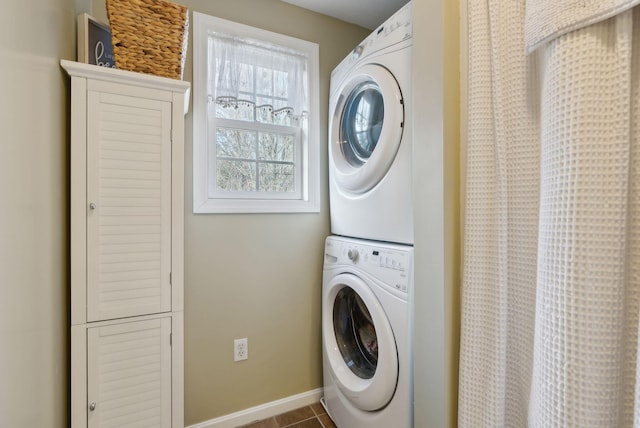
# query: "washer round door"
{"points": [[359, 343], [366, 124]]}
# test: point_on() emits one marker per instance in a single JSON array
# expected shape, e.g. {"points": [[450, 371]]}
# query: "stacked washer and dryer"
{"points": [[368, 262]]}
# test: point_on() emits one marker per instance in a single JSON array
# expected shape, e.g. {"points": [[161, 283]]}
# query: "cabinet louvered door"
{"points": [[129, 375], [129, 206]]}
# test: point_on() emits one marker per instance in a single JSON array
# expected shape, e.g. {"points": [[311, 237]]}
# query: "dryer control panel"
{"points": [[394, 30], [390, 264]]}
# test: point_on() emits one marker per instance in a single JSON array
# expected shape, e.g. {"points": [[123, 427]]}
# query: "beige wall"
{"points": [[436, 210], [34, 182], [257, 275]]}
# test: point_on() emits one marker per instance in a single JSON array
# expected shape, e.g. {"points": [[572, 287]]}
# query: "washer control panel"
{"points": [[389, 263]]}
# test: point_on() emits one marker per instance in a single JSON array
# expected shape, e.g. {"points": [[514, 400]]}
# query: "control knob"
{"points": [[353, 255]]}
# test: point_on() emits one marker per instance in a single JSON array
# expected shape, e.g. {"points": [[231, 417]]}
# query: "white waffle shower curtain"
{"points": [[551, 282]]}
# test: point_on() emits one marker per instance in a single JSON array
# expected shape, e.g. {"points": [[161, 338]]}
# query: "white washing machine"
{"points": [[370, 136], [366, 333]]}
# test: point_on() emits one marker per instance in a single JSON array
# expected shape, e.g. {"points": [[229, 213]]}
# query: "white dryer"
{"points": [[366, 333], [370, 136]]}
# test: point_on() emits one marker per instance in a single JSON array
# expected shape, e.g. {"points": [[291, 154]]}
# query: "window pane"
{"points": [[235, 176], [245, 78], [235, 143], [246, 109], [264, 81], [261, 101], [276, 147], [281, 117], [264, 114], [280, 104], [226, 111], [239, 110], [281, 84], [277, 177]]}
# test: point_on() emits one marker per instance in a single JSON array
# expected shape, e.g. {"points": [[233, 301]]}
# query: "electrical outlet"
{"points": [[240, 349]]}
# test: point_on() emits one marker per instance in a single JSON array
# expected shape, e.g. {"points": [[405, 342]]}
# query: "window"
{"points": [[255, 120]]}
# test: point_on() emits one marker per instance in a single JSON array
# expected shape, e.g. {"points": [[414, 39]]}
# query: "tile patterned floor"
{"points": [[313, 416]]}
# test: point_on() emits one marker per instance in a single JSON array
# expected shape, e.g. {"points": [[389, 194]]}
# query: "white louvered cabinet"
{"points": [[127, 202]]}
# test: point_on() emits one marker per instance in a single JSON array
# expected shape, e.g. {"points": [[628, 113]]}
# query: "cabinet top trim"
{"points": [[123, 76]]}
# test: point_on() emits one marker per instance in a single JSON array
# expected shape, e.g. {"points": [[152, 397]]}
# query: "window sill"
{"points": [[228, 206]]}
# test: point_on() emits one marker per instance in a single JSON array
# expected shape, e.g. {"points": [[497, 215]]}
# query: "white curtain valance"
{"points": [[239, 67]]}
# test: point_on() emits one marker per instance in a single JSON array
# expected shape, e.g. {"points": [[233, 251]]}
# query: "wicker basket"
{"points": [[149, 36]]}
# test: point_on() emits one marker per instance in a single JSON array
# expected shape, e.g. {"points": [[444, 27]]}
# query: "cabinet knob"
{"points": [[92, 406], [92, 206]]}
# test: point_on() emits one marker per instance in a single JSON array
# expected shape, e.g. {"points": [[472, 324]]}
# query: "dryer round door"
{"points": [[367, 119], [359, 343]]}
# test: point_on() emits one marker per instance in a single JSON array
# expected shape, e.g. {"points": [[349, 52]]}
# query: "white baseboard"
{"points": [[262, 411]]}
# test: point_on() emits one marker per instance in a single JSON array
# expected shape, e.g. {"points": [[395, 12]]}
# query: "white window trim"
{"points": [[310, 195]]}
